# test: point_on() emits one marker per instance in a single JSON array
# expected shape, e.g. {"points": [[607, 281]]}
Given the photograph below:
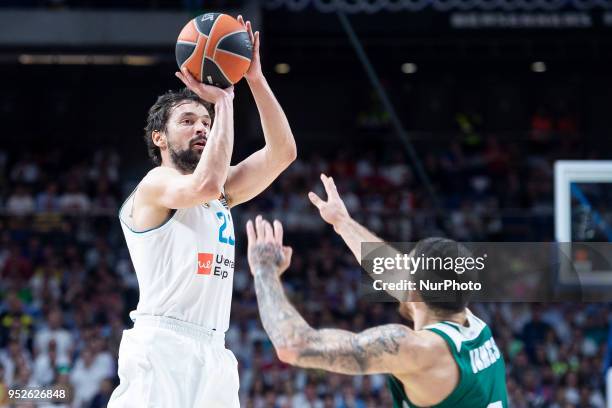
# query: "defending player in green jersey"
{"points": [[447, 359], [482, 373]]}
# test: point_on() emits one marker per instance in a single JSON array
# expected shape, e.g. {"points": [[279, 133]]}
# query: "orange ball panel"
{"points": [[189, 33], [223, 26], [232, 65], [194, 62]]}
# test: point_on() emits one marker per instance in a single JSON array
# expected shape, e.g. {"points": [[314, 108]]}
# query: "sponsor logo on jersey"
{"points": [[204, 263], [216, 265]]}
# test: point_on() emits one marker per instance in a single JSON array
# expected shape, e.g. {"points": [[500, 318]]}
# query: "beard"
{"points": [[185, 160]]}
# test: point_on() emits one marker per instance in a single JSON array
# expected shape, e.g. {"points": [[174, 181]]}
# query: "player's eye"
{"points": [[187, 122]]}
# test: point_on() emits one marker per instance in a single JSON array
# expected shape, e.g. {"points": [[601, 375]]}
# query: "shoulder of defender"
{"points": [[430, 347], [418, 350]]}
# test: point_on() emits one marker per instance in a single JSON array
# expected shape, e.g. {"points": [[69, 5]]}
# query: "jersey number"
{"points": [[225, 240], [497, 404]]}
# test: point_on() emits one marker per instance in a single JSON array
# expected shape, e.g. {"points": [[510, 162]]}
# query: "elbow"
{"points": [[291, 153], [280, 158], [287, 355]]}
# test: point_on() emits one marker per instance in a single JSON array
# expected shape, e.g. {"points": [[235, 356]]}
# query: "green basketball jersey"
{"points": [[482, 371]]}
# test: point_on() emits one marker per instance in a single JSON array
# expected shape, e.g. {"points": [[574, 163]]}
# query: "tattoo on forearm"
{"points": [[329, 349], [281, 321], [351, 353], [266, 256]]}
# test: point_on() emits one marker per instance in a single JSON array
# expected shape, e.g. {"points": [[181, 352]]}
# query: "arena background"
{"points": [[489, 94]]}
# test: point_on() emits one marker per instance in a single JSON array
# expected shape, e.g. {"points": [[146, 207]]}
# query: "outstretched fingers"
{"points": [[259, 228], [268, 232], [316, 200], [262, 232], [330, 186], [278, 232], [251, 235]]}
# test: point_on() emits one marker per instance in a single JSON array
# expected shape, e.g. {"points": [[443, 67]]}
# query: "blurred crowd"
{"points": [[67, 283]]}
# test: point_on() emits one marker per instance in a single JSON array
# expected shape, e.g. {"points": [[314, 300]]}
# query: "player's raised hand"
{"points": [[333, 211], [255, 69], [209, 93], [265, 247]]}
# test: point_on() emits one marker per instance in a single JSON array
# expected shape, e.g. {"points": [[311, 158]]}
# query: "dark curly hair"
{"points": [[159, 113]]}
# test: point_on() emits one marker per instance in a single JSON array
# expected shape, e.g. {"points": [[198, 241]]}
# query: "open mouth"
{"points": [[199, 144]]}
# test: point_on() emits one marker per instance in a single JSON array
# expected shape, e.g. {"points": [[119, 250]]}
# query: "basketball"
{"points": [[215, 48]]}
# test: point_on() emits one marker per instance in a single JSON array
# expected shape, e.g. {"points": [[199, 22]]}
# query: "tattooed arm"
{"points": [[383, 349]]}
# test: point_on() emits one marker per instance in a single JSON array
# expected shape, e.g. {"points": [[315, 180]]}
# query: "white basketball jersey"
{"points": [[185, 267]]}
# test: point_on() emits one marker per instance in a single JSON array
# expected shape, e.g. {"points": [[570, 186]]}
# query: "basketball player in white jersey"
{"points": [[180, 234]]}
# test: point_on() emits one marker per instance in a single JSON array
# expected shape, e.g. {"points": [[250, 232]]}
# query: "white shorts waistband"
{"points": [[193, 331]]}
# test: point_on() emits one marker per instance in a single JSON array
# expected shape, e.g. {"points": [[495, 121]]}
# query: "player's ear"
{"points": [[159, 139]]}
